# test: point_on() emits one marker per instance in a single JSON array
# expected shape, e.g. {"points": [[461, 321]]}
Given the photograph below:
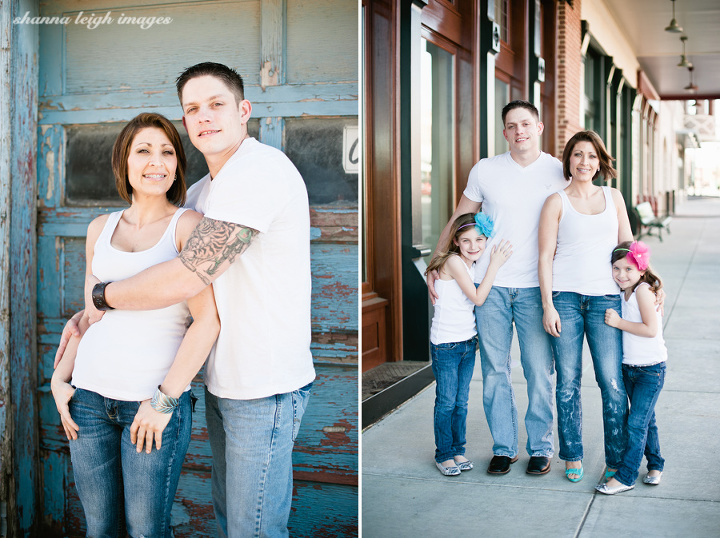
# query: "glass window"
{"points": [[502, 98], [88, 165], [502, 9], [437, 141], [592, 91], [315, 146]]}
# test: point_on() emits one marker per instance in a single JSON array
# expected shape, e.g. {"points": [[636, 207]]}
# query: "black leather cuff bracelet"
{"points": [[98, 297]]}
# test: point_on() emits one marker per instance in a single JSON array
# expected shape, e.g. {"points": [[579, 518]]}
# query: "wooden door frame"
{"points": [[382, 289], [383, 161], [513, 58]]}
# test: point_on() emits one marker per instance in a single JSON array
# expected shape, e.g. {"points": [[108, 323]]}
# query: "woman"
{"points": [[579, 227], [129, 357]]}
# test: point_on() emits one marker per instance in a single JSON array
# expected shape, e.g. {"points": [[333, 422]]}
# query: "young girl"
{"points": [[644, 356], [453, 335]]}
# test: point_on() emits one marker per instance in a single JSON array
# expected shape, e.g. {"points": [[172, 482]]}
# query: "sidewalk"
{"points": [[403, 494]]}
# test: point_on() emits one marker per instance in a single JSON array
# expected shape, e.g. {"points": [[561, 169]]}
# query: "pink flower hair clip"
{"points": [[639, 254]]}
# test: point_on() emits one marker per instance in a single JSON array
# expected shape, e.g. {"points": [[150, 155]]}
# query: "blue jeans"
{"points": [[643, 385], [584, 315], [495, 318], [252, 443], [103, 459], [453, 365]]}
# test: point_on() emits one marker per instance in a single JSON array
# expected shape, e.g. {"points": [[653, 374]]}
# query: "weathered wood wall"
{"points": [[18, 381], [299, 61]]}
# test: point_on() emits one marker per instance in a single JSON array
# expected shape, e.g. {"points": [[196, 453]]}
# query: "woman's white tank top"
{"points": [[126, 355], [584, 248], [454, 316], [640, 350]]}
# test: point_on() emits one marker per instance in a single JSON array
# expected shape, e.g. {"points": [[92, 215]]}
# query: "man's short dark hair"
{"points": [[228, 75], [527, 105]]}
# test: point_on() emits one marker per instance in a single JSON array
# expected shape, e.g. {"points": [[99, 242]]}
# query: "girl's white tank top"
{"points": [[454, 316], [126, 355], [640, 350], [584, 248]]}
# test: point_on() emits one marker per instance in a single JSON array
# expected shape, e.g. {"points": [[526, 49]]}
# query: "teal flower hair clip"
{"points": [[484, 224]]}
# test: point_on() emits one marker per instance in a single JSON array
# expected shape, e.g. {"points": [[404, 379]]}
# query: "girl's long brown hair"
{"points": [[448, 249]]}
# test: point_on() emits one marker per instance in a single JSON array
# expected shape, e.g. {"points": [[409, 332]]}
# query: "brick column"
{"points": [[569, 72]]}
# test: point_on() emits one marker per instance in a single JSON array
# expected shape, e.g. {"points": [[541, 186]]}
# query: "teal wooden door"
{"points": [[299, 62]]}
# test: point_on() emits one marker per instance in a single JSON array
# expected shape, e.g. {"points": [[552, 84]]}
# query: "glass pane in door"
{"points": [[502, 98], [437, 141]]}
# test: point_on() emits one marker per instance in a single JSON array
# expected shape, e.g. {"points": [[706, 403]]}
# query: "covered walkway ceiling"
{"points": [[643, 23]]}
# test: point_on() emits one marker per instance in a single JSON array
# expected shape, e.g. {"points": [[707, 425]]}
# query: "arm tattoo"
{"points": [[211, 244]]}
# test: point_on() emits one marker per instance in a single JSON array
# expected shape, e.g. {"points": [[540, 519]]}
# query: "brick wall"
{"points": [[569, 72]]}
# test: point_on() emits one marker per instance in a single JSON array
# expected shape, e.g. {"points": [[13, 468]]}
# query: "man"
{"points": [[253, 245], [511, 189]]}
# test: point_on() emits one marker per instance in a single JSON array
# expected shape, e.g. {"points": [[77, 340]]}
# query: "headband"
{"points": [[483, 224]]}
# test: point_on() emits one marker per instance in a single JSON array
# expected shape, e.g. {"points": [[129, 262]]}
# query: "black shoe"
{"points": [[500, 464], [538, 465]]}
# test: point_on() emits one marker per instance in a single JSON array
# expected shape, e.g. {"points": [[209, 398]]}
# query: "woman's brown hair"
{"points": [[606, 168], [121, 151]]}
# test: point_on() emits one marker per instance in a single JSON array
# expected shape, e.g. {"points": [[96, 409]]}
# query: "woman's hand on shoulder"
{"points": [[148, 426]]}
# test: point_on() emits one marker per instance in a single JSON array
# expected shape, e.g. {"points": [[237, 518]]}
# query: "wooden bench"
{"points": [[647, 219]]}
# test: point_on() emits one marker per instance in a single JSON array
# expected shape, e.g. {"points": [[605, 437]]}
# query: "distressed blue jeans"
{"points": [[643, 385], [584, 316], [252, 443], [495, 318], [452, 364], [109, 471]]}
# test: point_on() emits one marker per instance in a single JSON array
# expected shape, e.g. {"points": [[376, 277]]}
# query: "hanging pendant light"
{"points": [[683, 59], [674, 27], [691, 87]]}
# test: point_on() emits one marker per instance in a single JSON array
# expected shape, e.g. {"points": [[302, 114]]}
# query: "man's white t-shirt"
{"points": [[263, 299], [513, 197]]}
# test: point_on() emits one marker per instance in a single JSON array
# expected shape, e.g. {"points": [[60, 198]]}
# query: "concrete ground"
{"points": [[403, 494]]}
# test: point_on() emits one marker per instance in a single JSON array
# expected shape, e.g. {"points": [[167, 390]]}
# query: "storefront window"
{"points": [[437, 141], [502, 98]]}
